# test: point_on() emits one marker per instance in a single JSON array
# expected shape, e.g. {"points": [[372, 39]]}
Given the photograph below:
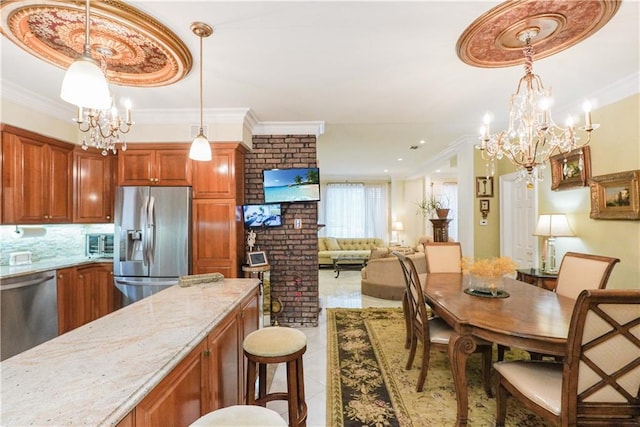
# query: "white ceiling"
{"points": [[381, 75]]}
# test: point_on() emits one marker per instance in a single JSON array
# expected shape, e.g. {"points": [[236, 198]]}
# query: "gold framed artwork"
{"points": [[615, 196], [570, 170], [484, 186]]}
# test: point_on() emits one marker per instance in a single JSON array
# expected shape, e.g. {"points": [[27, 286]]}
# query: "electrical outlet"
{"points": [[484, 222], [297, 223]]}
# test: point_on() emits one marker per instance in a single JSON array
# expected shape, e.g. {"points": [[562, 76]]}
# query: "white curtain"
{"points": [[450, 190], [356, 210]]}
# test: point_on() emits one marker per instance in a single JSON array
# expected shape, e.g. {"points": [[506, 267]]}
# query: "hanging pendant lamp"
{"points": [[84, 83], [200, 148]]}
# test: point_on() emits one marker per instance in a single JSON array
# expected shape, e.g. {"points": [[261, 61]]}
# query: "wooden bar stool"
{"points": [[277, 345], [241, 416]]}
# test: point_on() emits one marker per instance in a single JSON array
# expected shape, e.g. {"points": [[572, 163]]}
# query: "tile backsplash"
{"points": [[59, 240]]}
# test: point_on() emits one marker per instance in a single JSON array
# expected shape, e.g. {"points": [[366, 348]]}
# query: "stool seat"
{"points": [[241, 416], [274, 345], [274, 341]]}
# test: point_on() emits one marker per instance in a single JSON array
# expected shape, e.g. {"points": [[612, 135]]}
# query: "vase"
{"points": [[484, 284], [442, 213]]}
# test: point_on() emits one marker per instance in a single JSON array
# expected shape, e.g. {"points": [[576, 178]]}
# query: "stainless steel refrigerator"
{"points": [[152, 239]]}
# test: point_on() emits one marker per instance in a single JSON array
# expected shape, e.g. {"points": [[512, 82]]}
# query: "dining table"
{"points": [[523, 316]]}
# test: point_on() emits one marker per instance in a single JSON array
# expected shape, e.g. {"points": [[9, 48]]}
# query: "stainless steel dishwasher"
{"points": [[29, 312]]}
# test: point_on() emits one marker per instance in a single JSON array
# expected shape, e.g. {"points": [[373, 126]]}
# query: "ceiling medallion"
{"points": [[135, 49], [493, 40]]}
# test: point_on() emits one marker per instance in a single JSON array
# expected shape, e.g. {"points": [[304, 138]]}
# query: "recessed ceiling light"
{"points": [[400, 159], [422, 141], [386, 170]]}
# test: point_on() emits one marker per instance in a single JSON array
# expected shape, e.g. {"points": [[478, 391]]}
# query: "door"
{"points": [[130, 228], [517, 221], [169, 231]]}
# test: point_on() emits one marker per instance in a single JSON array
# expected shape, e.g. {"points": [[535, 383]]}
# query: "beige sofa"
{"points": [[383, 277], [359, 247]]}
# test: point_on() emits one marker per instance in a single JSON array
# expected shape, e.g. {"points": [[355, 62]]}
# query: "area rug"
{"points": [[368, 385]]}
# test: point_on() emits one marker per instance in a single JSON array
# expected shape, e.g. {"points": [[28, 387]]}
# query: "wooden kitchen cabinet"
{"points": [[217, 237], [93, 184], [145, 164], [225, 363], [223, 176], [37, 178], [85, 293]]}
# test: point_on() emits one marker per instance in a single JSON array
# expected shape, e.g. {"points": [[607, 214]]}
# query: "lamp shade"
{"points": [[398, 226], [553, 225], [85, 85], [200, 148]]}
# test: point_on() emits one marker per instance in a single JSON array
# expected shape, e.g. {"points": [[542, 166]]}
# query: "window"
{"points": [[356, 210]]}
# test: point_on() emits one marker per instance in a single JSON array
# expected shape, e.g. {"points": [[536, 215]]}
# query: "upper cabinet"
{"points": [[93, 182], [36, 178], [167, 166], [223, 176]]}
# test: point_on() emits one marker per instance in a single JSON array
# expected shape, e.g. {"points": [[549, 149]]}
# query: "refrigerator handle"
{"points": [[145, 232], [151, 228]]}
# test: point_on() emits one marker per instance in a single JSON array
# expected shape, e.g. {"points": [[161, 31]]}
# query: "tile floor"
{"points": [[341, 292]]}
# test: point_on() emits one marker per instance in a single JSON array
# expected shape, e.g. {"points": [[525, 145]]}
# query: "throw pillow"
{"points": [[379, 253], [332, 244]]}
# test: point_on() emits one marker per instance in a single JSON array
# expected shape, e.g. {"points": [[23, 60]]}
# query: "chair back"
{"points": [[443, 257], [417, 308], [601, 373], [583, 271]]}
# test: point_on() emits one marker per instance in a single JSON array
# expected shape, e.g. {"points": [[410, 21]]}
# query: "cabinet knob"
{"points": [[59, 276], [207, 352], [80, 276], [108, 216]]}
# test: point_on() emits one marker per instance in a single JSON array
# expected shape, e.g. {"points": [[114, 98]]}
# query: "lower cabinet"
{"points": [[85, 293], [210, 377]]}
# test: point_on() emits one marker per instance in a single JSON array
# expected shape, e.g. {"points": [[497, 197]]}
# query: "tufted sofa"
{"points": [[383, 277], [360, 247]]}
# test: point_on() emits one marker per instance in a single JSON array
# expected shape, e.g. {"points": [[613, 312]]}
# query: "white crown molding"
{"points": [[57, 109], [289, 128], [621, 89]]}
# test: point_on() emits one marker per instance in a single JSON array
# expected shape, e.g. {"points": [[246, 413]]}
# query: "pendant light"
{"points": [[84, 83], [200, 148]]}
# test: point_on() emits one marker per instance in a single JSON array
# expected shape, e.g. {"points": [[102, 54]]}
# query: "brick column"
{"points": [[292, 253]]}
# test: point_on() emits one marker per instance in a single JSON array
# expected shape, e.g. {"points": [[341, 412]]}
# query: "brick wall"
{"points": [[292, 253]]}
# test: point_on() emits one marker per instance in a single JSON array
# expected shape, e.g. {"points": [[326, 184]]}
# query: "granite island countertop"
{"points": [[7, 271], [96, 374]]}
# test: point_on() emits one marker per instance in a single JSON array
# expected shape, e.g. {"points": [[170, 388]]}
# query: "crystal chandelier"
{"points": [[104, 128], [532, 136]]}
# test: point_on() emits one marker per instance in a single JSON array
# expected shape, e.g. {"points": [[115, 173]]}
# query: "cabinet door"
{"points": [[96, 288], [37, 178], [135, 167], [179, 398], [93, 187], [215, 241], [69, 300], [220, 178], [173, 168], [224, 369]]}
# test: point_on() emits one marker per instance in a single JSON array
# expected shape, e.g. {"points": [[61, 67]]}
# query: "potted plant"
{"points": [[434, 205]]}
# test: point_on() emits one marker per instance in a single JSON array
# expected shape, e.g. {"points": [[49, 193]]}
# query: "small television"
{"points": [[264, 215], [291, 185]]}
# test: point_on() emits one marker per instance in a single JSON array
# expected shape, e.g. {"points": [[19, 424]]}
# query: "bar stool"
{"points": [[241, 416], [277, 344]]}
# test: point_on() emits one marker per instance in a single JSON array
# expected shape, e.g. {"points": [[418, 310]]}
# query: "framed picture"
{"points": [[484, 186], [257, 258], [566, 171], [615, 196]]}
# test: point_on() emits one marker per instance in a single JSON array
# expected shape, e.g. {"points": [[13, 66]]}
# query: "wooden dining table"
{"points": [[530, 318]]}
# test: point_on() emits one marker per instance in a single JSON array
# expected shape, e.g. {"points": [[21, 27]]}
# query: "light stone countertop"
{"points": [[96, 374], [7, 271]]}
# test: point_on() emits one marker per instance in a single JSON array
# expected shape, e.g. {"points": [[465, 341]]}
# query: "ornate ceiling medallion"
{"points": [[493, 41], [133, 48]]}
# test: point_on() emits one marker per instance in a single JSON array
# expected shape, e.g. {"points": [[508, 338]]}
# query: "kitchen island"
{"points": [[99, 373]]}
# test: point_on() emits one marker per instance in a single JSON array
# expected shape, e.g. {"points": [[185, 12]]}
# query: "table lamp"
{"points": [[397, 227], [551, 226]]}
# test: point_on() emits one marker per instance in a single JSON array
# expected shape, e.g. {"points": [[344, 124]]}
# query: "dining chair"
{"points": [[583, 271], [598, 382], [433, 333], [443, 257]]}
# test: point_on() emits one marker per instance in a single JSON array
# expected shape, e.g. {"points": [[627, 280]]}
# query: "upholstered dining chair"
{"points": [[583, 271], [433, 333], [443, 257], [599, 381]]}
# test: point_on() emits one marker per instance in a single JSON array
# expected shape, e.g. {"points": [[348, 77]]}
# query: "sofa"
{"points": [[329, 247], [383, 277]]}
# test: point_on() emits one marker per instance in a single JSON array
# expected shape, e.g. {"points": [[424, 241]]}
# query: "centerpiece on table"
{"points": [[485, 277]]}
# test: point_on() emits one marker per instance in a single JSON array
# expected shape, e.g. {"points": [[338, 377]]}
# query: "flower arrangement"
{"points": [[486, 275]]}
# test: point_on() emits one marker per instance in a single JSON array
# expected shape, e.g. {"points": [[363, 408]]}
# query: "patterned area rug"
{"points": [[366, 346]]}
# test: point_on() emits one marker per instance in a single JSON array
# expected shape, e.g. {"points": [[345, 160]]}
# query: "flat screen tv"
{"points": [[291, 185], [264, 215]]}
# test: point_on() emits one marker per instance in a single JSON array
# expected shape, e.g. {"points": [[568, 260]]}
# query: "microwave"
{"points": [[99, 245]]}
